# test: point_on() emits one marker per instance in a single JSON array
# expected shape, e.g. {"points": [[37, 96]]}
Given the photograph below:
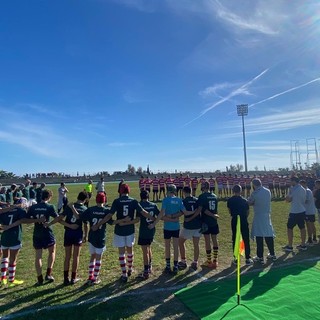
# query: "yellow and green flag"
{"points": [[239, 244], [238, 251]]}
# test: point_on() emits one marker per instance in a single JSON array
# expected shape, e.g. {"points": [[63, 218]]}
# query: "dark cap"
{"points": [[295, 179], [172, 188], [144, 194]]}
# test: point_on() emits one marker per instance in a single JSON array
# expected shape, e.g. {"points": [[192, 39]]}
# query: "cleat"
{"points": [[287, 248], [260, 260], [15, 283], [182, 265], [175, 270], [194, 265], [302, 247], [214, 264], [95, 282], [143, 275], [208, 264], [89, 282], [271, 257], [3, 282], [74, 281], [124, 279], [49, 278], [167, 270], [129, 273], [66, 282]]}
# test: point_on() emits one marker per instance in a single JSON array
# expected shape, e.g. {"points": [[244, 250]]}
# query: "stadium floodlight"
{"points": [[242, 110]]}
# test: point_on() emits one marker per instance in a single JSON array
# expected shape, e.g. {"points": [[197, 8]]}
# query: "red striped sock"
{"points": [[97, 268], [122, 261], [4, 268], [12, 272], [91, 268]]}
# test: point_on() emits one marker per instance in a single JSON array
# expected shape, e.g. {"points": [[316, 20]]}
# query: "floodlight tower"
{"points": [[242, 110]]}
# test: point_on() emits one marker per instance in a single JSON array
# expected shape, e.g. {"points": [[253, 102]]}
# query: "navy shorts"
{"points": [[310, 217], [73, 237], [44, 242], [168, 234], [144, 242], [296, 219], [212, 230]]}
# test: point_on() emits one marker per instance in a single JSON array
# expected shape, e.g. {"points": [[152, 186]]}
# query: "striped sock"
{"points": [[97, 268], [12, 272], [122, 261], [91, 268], [215, 253], [168, 263], [208, 255], [4, 268], [130, 261]]}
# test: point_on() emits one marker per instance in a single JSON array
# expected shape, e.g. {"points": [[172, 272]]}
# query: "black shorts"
{"points": [[144, 242], [248, 187], [155, 190], [162, 189], [212, 230], [73, 237], [168, 234], [271, 186], [148, 189], [310, 217], [43, 242], [179, 188], [212, 189], [89, 194], [296, 219]]}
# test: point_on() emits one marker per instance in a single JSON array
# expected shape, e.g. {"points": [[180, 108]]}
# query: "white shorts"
{"points": [[189, 233], [94, 250], [17, 247], [123, 241]]}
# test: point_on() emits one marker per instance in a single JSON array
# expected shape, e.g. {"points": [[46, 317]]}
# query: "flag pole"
{"points": [[238, 278]]}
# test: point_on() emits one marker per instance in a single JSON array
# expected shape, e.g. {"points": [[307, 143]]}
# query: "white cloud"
{"points": [[285, 92], [256, 21], [242, 90]]}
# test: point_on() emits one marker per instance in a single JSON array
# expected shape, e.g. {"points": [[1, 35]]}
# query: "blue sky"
{"points": [[91, 85]]}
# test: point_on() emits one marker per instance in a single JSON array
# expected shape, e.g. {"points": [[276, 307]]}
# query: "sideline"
{"points": [[143, 292]]}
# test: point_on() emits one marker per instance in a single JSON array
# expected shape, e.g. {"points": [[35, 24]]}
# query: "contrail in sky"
{"points": [[284, 92], [229, 96]]}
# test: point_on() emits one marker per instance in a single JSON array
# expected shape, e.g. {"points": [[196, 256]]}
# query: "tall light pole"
{"points": [[242, 110]]}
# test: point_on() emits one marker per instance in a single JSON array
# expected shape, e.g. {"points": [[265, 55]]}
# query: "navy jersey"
{"points": [[70, 218], [93, 215], [125, 206], [152, 209], [38, 211], [191, 204], [12, 237], [208, 201]]}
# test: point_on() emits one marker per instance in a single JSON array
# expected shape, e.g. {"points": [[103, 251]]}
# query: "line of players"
{"points": [[97, 216], [278, 185], [129, 211]]}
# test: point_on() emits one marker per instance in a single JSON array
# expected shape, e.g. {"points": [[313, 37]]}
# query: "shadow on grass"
{"points": [[116, 300]]}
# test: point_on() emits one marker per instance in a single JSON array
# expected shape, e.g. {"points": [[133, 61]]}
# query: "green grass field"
{"points": [[150, 299]]}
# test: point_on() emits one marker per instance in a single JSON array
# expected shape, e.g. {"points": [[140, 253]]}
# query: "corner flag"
{"points": [[237, 251], [239, 244]]}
